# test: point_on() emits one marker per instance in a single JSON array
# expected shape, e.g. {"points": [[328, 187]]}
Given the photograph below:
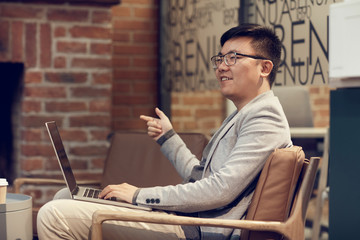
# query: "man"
{"points": [[221, 185]]}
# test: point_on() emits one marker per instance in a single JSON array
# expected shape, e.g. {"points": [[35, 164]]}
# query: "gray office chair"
{"points": [[296, 105]]}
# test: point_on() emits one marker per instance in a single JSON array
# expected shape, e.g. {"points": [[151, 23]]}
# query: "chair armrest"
{"points": [[47, 181], [100, 216]]}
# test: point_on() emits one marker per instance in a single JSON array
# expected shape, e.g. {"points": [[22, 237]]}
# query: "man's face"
{"points": [[240, 82]]}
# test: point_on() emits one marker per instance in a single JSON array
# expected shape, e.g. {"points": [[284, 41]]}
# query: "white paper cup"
{"points": [[3, 190]]}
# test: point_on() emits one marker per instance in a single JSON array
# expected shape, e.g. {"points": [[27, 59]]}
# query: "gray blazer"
{"points": [[233, 159]]}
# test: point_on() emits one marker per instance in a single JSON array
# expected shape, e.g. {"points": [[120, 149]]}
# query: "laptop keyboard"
{"points": [[94, 193]]}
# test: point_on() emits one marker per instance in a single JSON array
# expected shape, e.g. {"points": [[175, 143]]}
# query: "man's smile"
{"points": [[225, 79]]}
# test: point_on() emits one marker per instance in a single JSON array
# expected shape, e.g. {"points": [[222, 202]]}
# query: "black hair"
{"points": [[264, 41]]}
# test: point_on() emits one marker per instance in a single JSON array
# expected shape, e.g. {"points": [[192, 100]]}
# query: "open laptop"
{"points": [[79, 192]]}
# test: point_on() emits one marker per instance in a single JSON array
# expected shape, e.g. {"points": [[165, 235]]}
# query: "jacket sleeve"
{"points": [[238, 158]]}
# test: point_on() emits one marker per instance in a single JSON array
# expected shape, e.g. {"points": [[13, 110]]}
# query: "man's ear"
{"points": [[266, 67]]}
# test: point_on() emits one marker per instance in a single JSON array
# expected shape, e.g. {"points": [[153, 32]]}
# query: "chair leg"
{"points": [[96, 228], [322, 190]]}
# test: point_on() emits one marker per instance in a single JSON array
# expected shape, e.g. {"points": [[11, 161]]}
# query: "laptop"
{"points": [[82, 193]]}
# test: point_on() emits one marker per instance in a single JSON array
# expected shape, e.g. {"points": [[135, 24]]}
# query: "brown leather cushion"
{"points": [[135, 158], [275, 189]]}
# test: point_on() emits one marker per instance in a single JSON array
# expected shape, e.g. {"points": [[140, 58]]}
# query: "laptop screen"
{"points": [[61, 155]]}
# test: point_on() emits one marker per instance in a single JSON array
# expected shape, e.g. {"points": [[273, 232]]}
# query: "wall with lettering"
{"points": [[303, 27], [190, 33]]}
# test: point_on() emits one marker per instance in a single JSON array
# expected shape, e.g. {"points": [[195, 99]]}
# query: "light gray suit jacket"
{"points": [[233, 159]]}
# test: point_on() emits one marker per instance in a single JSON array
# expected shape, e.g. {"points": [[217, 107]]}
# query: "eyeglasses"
{"points": [[230, 58]]}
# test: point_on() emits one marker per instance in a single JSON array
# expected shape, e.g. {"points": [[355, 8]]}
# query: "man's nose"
{"points": [[223, 66]]}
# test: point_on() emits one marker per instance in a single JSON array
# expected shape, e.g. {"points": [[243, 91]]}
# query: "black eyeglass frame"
{"points": [[223, 59]]}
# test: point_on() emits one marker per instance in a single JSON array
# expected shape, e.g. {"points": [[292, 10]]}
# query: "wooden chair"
{"points": [[288, 210], [133, 157]]}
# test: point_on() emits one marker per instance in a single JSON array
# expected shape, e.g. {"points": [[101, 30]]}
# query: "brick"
{"points": [[121, 36], [59, 62], [134, 49], [146, 38], [33, 77], [17, 32], [200, 100], [22, 12], [79, 164], [150, 62], [144, 110], [99, 135], [132, 25], [120, 11], [314, 90], [98, 163], [60, 32], [132, 100], [122, 87], [176, 125], [129, 124], [90, 32], [30, 44], [45, 45], [101, 17], [38, 121], [134, 74], [121, 111], [145, 2], [67, 15], [322, 101], [210, 125], [65, 106], [100, 105], [4, 40], [31, 135], [175, 99], [52, 165], [102, 78], [31, 106], [89, 150], [66, 77], [32, 164], [203, 113], [87, 175], [324, 113], [73, 135], [45, 92], [90, 121], [182, 112], [92, 92], [146, 13], [145, 87], [121, 61], [71, 47], [34, 150], [100, 48], [91, 63], [188, 125]]}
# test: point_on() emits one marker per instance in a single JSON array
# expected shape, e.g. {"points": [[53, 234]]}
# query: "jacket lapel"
{"points": [[219, 135]]}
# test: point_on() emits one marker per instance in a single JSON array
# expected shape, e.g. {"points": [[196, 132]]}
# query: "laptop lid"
{"points": [[61, 156]]}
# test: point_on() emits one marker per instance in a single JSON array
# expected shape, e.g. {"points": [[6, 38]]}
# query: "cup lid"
{"points": [[3, 182]]}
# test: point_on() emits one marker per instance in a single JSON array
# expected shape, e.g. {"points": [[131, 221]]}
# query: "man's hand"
{"points": [[124, 192], [157, 126]]}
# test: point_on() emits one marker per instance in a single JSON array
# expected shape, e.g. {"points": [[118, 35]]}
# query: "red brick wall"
{"points": [[320, 103], [135, 58], [67, 53]]}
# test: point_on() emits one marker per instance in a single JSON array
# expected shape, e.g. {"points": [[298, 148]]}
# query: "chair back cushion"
{"points": [[274, 192], [135, 158]]}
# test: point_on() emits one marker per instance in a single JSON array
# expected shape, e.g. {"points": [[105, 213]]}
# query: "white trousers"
{"points": [[71, 219]]}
